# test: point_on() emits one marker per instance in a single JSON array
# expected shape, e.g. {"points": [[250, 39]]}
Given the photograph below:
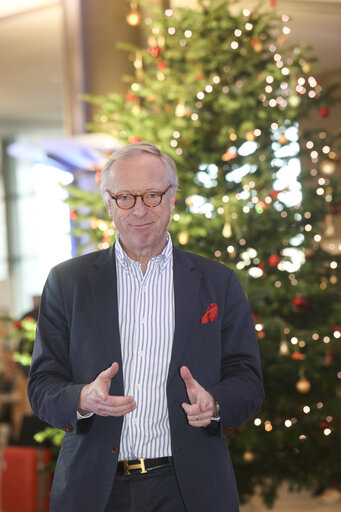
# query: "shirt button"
{"points": [[134, 421], [114, 450], [141, 353], [138, 386]]}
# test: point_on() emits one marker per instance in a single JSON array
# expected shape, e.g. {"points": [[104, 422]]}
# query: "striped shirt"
{"points": [[146, 323]]}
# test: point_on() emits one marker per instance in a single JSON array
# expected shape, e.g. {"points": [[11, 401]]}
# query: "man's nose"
{"points": [[139, 208]]}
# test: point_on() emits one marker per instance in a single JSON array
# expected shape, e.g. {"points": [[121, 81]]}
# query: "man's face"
{"points": [[142, 229]]}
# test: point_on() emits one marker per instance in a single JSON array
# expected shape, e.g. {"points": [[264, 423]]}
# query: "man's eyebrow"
{"points": [[151, 189]]}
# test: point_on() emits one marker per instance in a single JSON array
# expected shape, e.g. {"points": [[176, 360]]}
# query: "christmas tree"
{"points": [[223, 93]]}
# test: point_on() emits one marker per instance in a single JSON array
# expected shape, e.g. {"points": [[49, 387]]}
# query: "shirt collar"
{"points": [[161, 261]]}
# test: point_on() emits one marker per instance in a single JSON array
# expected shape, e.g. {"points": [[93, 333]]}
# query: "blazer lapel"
{"points": [[103, 286], [186, 289]]}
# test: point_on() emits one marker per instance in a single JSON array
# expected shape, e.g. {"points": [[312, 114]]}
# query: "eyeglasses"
{"points": [[128, 201]]}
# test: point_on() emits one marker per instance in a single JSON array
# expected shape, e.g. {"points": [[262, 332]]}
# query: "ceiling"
{"points": [[31, 91]]}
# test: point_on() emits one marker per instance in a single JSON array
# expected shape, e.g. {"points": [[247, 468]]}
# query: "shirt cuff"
{"points": [[83, 416]]}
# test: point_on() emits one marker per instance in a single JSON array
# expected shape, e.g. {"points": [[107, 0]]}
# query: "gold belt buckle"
{"points": [[128, 466]]}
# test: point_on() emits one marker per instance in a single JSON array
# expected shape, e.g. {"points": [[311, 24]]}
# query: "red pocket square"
{"points": [[211, 314]]}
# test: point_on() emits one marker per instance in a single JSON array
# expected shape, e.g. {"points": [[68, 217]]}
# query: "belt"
{"points": [[142, 465]]}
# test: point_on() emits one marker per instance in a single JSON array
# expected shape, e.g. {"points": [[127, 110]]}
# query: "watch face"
{"points": [[217, 410]]}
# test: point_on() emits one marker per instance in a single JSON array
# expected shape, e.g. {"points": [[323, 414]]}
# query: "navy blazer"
{"points": [[78, 337]]}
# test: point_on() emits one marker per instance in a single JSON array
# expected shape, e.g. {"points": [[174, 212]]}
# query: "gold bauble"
{"points": [[329, 230], [283, 140], [136, 110], [284, 348], [249, 456], [328, 167], [180, 110], [257, 47], [303, 385], [227, 231], [183, 238], [133, 18], [294, 101]]}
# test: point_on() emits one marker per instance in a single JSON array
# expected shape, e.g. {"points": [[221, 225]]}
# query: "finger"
{"points": [[104, 410], [199, 416], [200, 422], [191, 410], [120, 401], [205, 403], [117, 408]]}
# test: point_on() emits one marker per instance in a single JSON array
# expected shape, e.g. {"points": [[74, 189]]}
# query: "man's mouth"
{"points": [[140, 226]]}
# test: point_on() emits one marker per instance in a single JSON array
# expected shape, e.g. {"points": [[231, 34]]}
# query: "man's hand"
{"points": [[95, 397], [202, 405]]}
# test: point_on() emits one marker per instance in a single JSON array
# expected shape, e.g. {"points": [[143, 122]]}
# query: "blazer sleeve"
{"points": [[240, 391], [52, 393]]}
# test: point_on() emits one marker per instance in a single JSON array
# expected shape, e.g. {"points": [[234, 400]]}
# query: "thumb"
{"points": [[190, 384], [110, 372], [105, 380], [186, 375]]}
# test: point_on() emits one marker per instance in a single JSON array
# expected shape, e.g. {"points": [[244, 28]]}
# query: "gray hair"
{"points": [[134, 150]]}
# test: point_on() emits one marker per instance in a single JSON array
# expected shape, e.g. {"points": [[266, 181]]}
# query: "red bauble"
{"points": [[274, 194], [273, 260], [130, 96], [161, 64], [229, 155], [133, 139], [324, 111], [301, 302], [261, 265], [329, 358], [154, 51], [73, 214], [297, 356]]}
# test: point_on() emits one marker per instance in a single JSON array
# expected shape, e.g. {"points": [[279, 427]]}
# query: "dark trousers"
{"points": [[155, 491]]}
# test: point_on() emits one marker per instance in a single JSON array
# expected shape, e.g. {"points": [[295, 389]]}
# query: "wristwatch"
{"points": [[216, 415]]}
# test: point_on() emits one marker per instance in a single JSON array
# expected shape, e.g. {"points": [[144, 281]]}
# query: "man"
{"points": [[144, 354]]}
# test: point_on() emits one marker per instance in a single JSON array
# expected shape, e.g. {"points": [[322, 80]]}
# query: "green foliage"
{"points": [[22, 333]]}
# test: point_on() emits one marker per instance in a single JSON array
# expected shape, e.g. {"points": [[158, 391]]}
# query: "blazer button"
{"points": [[68, 428], [114, 449]]}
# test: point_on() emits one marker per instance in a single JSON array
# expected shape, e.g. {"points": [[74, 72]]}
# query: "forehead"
{"points": [[144, 171]]}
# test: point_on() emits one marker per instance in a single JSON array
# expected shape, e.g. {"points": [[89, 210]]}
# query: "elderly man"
{"points": [[144, 355]]}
